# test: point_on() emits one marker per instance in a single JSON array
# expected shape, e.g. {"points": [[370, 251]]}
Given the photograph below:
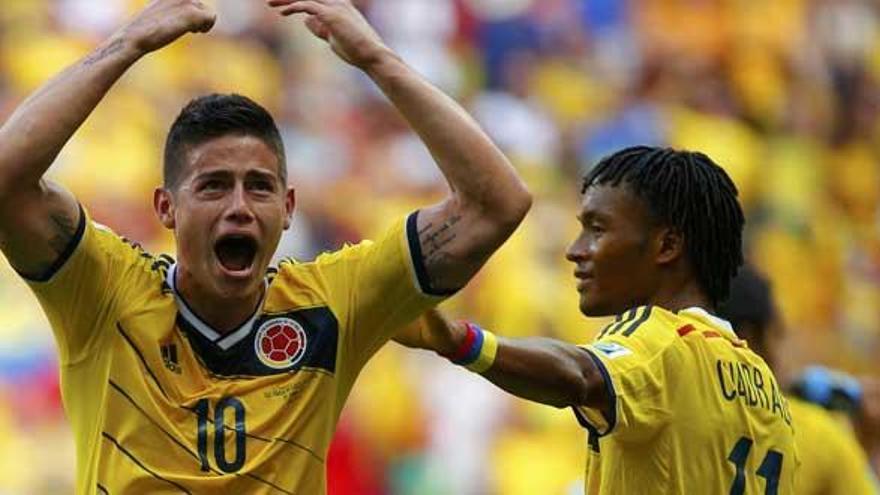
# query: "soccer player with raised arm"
{"points": [[673, 401], [832, 461], [211, 372]]}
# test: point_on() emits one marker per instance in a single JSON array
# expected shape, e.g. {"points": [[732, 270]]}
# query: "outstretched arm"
{"points": [[487, 199], [538, 369], [38, 219]]}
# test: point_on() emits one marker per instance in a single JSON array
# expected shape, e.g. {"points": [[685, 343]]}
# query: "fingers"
{"points": [[201, 17], [318, 28], [290, 7], [313, 7], [204, 20], [281, 3], [205, 24], [209, 22]]}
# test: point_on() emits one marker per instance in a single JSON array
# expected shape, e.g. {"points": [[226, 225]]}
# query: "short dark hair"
{"points": [[216, 115], [750, 303], [689, 192]]}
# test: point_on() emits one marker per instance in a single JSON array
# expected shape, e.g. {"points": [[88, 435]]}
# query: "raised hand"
{"points": [[163, 21], [37, 217], [340, 24]]}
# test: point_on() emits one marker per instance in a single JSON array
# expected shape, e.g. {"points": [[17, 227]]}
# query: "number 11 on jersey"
{"points": [[770, 468]]}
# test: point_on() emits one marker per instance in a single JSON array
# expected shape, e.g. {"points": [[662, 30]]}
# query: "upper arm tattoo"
{"points": [[435, 239], [63, 230]]}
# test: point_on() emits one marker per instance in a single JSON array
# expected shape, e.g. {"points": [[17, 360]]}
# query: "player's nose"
{"points": [[577, 251], [239, 209]]}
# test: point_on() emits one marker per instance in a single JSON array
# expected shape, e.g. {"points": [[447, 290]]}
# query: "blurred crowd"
{"points": [[784, 94]]}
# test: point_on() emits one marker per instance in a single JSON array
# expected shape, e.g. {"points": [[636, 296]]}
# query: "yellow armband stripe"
{"points": [[486, 358]]}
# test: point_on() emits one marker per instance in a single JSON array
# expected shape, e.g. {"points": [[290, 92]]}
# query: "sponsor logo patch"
{"points": [[169, 357], [280, 343], [612, 349]]}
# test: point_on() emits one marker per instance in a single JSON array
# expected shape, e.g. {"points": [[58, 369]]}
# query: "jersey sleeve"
{"points": [[636, 366], [378, 287], [81, 292]]}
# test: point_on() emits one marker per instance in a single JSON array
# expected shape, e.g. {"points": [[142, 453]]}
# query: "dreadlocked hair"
{"points": [[689, 192]]}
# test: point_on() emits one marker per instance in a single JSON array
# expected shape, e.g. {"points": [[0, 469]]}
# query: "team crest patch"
{"points": [[612, 349], [280, 343]]}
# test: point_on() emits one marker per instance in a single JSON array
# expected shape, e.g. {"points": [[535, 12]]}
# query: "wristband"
{"points": [[477, 351], [466, 347], [486, 358]]}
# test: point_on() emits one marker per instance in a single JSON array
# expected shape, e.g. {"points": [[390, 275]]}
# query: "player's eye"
{"points": [[261, 185], [212, 185]]}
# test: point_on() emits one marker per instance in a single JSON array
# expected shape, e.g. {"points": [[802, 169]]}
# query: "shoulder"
{"points": [[114, 244], [367, 262], [812, 418], [133, 252], [290, 272], [802, 408], [646, 330], [817, 426], [348, 253]]}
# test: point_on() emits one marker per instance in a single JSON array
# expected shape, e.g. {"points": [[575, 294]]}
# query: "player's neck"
{"points": [[222, 314], [681, 297]]}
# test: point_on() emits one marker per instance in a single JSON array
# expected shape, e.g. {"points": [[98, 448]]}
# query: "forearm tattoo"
{"points": [[104, 52], [64, 228], [436, 238]]}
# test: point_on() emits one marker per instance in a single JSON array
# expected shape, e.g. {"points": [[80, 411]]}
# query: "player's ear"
{"points": [[163, 203], [289, 206], [669, 245]]}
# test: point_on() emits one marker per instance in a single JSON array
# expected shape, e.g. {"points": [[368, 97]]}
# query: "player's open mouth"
{"points": [[236, 253]]}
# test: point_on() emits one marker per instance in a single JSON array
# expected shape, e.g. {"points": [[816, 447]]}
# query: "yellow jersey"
{"points": [[832, 461], [159, 402], [694, 411]]}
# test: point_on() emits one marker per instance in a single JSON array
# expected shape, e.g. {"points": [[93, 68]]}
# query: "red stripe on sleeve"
{"points": [[685, 330]]}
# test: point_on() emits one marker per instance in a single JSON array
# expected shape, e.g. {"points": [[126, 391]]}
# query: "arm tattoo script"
{"points": [[435, 239], [104, 52], [64, 228]]}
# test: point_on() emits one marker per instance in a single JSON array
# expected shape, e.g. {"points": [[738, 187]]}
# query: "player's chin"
{"points": [[591, 305]]}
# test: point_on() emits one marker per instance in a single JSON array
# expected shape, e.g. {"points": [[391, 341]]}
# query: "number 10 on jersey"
{"points": [[202, 410]]}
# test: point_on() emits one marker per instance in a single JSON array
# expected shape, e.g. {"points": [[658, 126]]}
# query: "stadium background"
{"points": [[784, 94]]}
